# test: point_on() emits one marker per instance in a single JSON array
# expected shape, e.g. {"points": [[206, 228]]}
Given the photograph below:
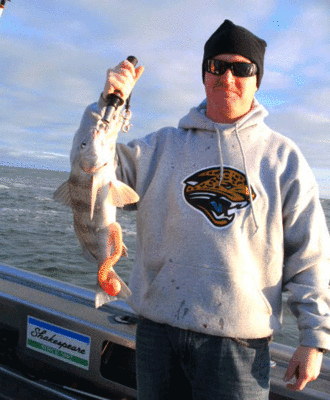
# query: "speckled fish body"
{"points": [[94, 193]]}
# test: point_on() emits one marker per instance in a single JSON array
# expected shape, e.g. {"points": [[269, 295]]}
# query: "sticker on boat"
{"points": [[57, 342]]}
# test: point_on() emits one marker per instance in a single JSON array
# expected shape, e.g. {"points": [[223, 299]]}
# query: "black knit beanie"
{"points": [[233, 39]]}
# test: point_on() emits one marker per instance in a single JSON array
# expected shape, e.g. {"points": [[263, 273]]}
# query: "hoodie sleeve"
{"points": [[137, 161], [306, 272]]}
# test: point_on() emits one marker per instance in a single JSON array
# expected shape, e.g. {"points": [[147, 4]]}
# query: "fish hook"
{"points": [[126, 115]]}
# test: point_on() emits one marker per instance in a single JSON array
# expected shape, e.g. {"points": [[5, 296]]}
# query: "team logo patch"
{"points": [[219, 203]]}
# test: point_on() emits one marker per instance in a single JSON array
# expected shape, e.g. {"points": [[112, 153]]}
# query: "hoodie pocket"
{"points": [[195, 294]]}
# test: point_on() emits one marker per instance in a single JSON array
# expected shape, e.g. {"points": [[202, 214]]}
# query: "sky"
{"points": [[55, 54]]}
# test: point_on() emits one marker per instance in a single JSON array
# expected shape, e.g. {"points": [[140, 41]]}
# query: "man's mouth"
{"points": [[224, 88]]}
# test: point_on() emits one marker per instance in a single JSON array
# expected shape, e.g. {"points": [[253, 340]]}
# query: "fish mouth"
{"points": [[92, 170]]}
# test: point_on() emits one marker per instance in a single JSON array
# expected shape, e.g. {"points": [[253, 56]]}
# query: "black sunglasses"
{"points": [[240, 69]]}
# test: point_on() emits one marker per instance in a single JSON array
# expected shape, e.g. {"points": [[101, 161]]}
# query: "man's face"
{"points": [[229, 97]]}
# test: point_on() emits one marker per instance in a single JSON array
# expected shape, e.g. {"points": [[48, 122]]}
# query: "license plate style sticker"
{"points": [[57, 342]]}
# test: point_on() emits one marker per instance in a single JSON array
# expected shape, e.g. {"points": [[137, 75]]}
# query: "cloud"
{"points": [[307, 129], [319, 96], [55, 54], [275, 80]]}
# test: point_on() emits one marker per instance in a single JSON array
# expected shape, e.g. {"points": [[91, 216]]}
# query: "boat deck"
{"points": [[111, 368]]}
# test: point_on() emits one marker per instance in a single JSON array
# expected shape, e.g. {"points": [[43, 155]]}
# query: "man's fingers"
{"points": [[301, 382], [301, 379], [138, 72], [305, 365], [297, 385], [291, 371], [121, 79]]}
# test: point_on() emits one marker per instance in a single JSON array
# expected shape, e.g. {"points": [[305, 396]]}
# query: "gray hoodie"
{"points": [[228, 218]]}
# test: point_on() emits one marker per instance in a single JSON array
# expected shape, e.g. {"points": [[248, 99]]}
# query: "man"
{"points": [[228, 218]]}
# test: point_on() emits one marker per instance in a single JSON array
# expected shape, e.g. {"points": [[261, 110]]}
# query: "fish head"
{"points": [[93, 151], [91, 158]]}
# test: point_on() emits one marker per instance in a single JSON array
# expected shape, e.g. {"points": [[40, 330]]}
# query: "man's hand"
{"points": [[305, 365], [121, 79]]}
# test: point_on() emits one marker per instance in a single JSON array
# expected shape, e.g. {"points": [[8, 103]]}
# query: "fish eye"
{"points": [[83, 145]]}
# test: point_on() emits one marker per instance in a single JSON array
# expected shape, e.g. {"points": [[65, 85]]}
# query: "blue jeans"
{"points": [[176, 364]]}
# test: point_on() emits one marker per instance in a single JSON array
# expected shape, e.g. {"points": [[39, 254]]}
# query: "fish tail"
{"points": [[107, 277]]}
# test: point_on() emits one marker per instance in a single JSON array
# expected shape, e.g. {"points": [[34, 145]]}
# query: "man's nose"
{"points": [[228, 76]]}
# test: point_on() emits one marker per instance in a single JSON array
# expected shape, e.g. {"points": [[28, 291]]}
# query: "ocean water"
{"points": [[36, 234]]}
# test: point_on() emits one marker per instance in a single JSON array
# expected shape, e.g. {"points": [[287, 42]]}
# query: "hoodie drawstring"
{"points": [[245, 168], [220, 153], [247, 178]]}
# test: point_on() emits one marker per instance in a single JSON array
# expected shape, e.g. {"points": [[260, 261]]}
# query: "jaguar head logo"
{"points": [[219, 203]]}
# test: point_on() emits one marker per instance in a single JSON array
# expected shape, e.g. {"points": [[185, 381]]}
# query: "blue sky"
{"points": [[54, 55]]}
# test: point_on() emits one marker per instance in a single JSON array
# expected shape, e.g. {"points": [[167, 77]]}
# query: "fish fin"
{"points": [[121, 194], [101, 297], [62, 194], [124, 253]]}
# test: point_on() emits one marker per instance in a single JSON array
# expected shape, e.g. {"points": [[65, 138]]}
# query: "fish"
{"points": [[93, 192]]}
